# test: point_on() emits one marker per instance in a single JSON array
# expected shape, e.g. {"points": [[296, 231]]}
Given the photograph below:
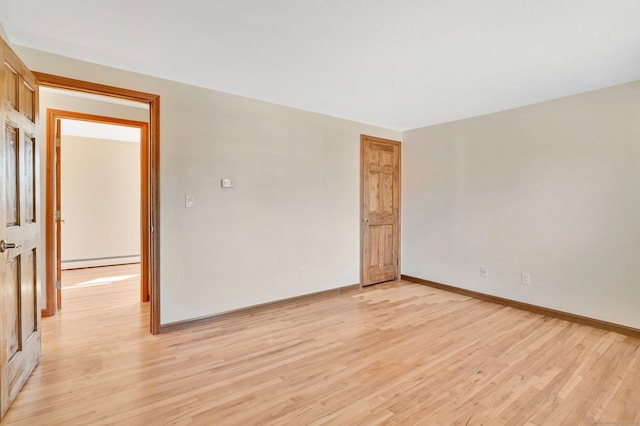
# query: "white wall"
{"points": [[552, 189], [100, 184], [295, 204], [3, 34]]}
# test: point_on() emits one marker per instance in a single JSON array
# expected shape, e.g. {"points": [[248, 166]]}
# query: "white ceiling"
{"points": [[400, 64]]}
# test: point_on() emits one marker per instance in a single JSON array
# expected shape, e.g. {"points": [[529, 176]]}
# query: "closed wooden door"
{"points": [[19, 235], [380, 210]]}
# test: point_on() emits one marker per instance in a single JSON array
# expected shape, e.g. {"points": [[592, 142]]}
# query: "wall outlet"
{"points": [[301, 272], [484, 271], [189, 201], [525, 278]]}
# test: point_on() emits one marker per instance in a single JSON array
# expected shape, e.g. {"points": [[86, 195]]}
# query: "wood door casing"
{"points": [[379, 210], [20, 338], [58, 214], [150, 169], [54, 136]]}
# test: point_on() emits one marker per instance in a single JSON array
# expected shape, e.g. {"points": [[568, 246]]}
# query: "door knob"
{"points": [[5, 245]]}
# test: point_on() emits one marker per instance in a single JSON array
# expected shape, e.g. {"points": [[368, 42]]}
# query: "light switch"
{"points": [[189, 201], [226, 183]]}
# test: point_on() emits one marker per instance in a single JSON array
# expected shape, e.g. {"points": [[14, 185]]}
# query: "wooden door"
{"points": [[19, 235], [379, 210]]}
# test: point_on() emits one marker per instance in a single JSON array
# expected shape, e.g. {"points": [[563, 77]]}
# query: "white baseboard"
{"points": [[102, 261]]}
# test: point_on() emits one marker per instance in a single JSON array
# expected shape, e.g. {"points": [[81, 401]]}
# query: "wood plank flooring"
{"points": [[396, 353]]}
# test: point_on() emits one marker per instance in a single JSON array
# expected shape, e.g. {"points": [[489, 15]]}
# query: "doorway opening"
{"points": [[149, 178], [97, 179]]}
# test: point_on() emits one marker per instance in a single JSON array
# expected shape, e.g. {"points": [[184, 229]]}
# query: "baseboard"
{"points": [[250, 310], [100, 261], [592, 322]]}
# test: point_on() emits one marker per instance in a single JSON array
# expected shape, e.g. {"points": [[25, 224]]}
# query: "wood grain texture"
{"points": [[379, 210], [395, 353], [592, 322], [53, 181], [19, 284], [150, 182], [255, 309], [56, 147], [50, 239]]}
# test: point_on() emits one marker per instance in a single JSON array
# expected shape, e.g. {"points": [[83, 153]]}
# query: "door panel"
{"points": [[11, 173], [374, 201], [27, 101], [380, 205], [29, 179], [28, 294], [12, 305], [19, 232], [10, 86]]}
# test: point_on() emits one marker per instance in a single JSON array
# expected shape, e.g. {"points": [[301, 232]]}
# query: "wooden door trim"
{"points": [[55, 148], [364, 138], [52, 121], [150, 207]]}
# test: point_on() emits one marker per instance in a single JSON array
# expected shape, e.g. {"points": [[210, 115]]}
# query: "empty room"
{"points": [[339, 212]]}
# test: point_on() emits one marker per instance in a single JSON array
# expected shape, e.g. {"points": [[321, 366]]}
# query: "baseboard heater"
{"points": [[100, 261]]}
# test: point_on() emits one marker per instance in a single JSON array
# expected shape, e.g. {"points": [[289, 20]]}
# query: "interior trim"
{"points": [[252, 310], [150, 205], [592, 322], [53, 187]]}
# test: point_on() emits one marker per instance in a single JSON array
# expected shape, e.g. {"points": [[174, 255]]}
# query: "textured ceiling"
{"points": [[399, 64]]}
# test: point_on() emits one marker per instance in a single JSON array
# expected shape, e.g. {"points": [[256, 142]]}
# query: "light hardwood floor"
{"points": [[396, 353]]}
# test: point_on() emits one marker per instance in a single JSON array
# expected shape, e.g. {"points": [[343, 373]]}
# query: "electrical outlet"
{"points": [[189, 201], [525, 278], [484, 271], [301, 273]]}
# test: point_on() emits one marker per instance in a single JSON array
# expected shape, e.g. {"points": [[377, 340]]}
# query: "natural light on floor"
{"points": [[104, 281]]}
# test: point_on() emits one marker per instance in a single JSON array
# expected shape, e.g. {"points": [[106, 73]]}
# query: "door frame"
{"points": [[52, 116], [149, 202], [364, 138]]}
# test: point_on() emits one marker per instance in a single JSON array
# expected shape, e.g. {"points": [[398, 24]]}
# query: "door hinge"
{"points": [[57, 215], [58, 285], [151, 229], [57, 142]]}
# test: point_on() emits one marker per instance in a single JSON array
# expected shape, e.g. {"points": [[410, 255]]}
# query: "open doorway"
{"points": [[98, 196], [100, 193], [149, 148]]}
